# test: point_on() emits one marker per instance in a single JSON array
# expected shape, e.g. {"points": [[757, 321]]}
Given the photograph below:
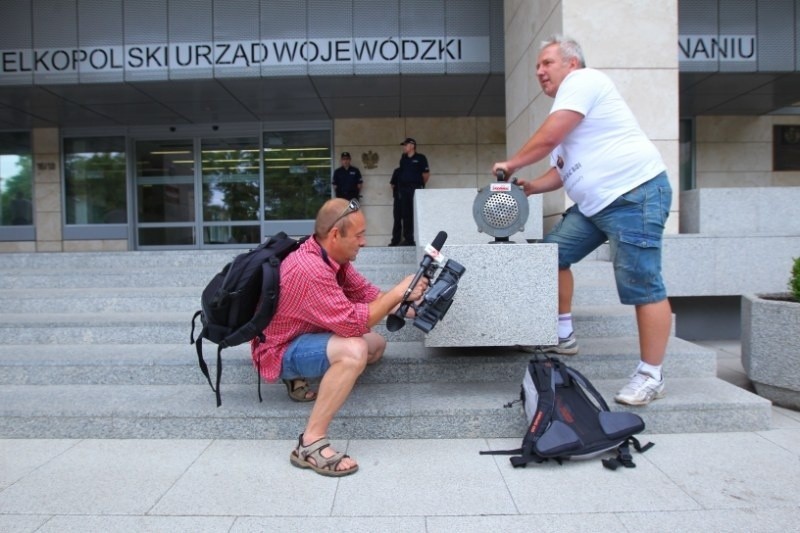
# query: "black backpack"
{"points": [[239, 302], [568, 418]]}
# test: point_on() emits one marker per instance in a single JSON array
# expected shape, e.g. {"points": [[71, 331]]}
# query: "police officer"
{"points": [[347, 180], [397, 220], [414, 174]]}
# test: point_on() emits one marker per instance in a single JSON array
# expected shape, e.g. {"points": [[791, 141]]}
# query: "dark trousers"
{"points": [[347, 195], [397, 226], [407, 213]]}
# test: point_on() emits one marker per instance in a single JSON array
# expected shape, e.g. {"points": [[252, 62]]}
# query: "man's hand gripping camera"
{"points": [[437, 299]]}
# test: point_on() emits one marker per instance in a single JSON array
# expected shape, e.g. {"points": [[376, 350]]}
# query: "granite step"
{"points": [[403, 362], [122, 328], [165, 327], [151, 260], [97, 345], [108, 299], [137, 277], [399, 410]]}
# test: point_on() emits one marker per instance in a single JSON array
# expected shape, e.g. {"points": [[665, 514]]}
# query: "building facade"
{"points": [[205, 124]]}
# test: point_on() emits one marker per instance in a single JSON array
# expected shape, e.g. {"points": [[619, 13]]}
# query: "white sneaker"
{"points": [[566, 346], [641, 390]]}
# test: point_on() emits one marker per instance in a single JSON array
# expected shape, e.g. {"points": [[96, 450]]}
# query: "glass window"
{"points": [[16, 184], [94, 180], [786, 147], [297, 173]]}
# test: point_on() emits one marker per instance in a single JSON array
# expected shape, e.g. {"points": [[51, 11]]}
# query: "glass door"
{"points": [[297, 179], [230, 175], [212, 192], [165, 193]]}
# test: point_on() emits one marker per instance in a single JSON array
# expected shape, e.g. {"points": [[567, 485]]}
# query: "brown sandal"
{"points": [[324, 466], [299, 390]]}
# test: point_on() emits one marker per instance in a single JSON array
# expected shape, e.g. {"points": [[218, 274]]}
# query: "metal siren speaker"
{"points": [[500, 210]]}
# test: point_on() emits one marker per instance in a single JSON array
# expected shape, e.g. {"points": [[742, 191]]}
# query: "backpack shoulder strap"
{"points": [[204, 367], [587, 385], [544, 379], [624, 457], [544, 374]]}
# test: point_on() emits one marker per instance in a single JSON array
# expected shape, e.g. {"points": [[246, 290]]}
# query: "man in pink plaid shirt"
{"points": [[322, 327]]}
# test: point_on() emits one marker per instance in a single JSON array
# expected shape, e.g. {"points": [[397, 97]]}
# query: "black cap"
{"points": [[409, 140], [346, 154]]}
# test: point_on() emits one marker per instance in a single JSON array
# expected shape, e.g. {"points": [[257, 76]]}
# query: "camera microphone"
{"points": [[396, 320], [431, 255]]}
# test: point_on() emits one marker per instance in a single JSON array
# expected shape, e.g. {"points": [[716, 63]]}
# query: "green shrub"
{"points": [[794, 280]]}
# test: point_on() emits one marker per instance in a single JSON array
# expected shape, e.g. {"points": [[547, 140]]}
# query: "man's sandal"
{"points": [[299, 390], [325, 466]]}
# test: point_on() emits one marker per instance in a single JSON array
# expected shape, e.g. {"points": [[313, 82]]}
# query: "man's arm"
{"points": [[549, 181], [386, 302], [544, 140], [425, 177]]}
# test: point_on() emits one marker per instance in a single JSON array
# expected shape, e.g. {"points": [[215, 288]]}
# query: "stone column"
{"points": [[633, 42], [47, 190]]}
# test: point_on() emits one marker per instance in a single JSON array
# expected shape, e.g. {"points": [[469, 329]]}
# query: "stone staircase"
{"points": [[96, 345]]}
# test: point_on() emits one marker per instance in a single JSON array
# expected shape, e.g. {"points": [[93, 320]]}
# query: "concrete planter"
{"points": [[771, 346]]}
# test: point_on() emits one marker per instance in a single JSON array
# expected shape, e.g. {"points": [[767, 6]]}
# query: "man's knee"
{"points": [[352, 352], [376, 345]]}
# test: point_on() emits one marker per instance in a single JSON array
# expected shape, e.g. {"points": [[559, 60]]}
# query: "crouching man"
{"points": [[322, 327]]}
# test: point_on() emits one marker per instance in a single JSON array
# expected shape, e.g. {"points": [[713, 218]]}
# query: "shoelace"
{"points": [[638, 379]]}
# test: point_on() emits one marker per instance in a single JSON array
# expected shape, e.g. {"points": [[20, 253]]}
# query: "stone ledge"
{"points": [[740, 210], [727, 265]]}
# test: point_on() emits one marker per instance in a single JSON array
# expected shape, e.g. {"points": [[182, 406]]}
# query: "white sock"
{"points": [[564, 325], [651, 370]]}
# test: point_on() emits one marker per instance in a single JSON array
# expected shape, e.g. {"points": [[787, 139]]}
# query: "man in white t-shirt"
{"points": [[618, 181]]}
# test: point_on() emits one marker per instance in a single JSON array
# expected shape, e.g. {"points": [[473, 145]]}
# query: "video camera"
{"points": [[438, 298]]}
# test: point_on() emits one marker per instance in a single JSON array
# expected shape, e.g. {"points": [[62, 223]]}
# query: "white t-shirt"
{"points": [[607, 154]]}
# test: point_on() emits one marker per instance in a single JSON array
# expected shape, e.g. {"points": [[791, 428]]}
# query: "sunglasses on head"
{"points": [[352, 207]]}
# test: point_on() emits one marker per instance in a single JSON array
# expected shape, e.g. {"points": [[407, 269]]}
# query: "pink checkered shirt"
{"points": [[313, 300]]}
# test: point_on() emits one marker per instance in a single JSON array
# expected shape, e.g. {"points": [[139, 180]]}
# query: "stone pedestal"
{"points": [[771, 348], [509, 293], [507, 296]]}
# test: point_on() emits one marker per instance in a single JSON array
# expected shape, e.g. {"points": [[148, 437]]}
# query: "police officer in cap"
{"points": [[347, 180], [413, 175]]}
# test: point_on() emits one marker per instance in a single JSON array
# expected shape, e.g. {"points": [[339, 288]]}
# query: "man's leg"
{"points": [[635, 225], [566, 287], [576, 237], [397, 225], [376, 345], [654, 322], [407, 199], [348, 358]]}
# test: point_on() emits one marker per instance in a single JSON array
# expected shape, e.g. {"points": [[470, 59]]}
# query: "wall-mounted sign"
{"points": [[717, 48], [245, 54]]}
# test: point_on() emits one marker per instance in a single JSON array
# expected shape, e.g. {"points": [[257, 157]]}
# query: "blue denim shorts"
{"points": [[633, 225], [306, 356]]}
